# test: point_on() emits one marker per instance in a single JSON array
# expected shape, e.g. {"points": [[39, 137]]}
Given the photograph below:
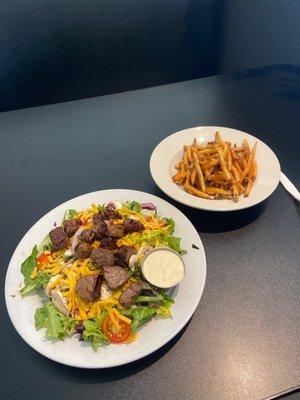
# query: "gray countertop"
{"points": [[243, 340]]}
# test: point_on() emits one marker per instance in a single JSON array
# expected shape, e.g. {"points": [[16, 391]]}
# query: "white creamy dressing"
{"points": [[163, 268]]}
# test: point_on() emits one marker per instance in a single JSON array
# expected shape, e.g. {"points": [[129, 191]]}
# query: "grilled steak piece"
{"points": [[71, 226], [130, 294], [83, 250], [123, 254], [87, 235], [99, 228], [58, 238], [111, 212], [88, 287], [108, 243], [103, 257], [116, 231], [133, 225], [115, 277]]}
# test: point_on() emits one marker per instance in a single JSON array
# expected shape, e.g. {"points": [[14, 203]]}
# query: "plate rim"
{"points": [[139, 355], [208, 207]]}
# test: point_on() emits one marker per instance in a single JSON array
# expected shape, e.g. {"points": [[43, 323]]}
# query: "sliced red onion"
{"points": [[110, 206], [148, 206]]}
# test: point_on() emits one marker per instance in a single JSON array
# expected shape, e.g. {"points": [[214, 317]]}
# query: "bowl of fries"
{"points": [[215, 168]]}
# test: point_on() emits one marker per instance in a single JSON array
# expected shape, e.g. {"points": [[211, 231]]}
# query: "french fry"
{"points": [[246, 147], [238, 168], [229, 159], [214, 190], [235, 173], [248, 188], [193, 176], [218, 138], [199, 172], [209, 164], [254, 169], [191, 190], [233, 155], [223, 164], [235, 193], [250, 161], [217, 176], [189, 154], [185, 160], [178, 165], [243, 161], [188, 178], [179, 177]]}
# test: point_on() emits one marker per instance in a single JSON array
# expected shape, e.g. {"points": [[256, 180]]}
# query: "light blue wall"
{"points": [[258, 33]]}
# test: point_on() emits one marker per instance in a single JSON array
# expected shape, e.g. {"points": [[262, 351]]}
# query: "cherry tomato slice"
{"points": [[43, 258], [114, 335]]}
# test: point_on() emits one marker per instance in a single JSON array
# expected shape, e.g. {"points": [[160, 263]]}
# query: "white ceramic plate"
{"points": [[169, 152], [150, 338]]}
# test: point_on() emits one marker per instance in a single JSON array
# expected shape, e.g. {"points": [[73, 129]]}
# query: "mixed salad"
{"points": [[88, 273]]}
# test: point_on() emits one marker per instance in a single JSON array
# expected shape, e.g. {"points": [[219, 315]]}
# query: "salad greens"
{"points": [[27, 268], [57, 325], [171, 224], [28, 265], [72, 213], [133, 206], [92, 332], [140, 315]]}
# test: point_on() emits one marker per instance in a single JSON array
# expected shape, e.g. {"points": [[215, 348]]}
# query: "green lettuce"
{"points": [[133, 206], [149, 299], [171, 224], [40, 281], [27, 268], [174, 243], [101, 207], [139, 315], [69, 214], [57, 325], [28, 265], [92, 332]]}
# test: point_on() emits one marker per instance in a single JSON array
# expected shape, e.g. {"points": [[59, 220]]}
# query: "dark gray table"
{"points": [[242, 342]]}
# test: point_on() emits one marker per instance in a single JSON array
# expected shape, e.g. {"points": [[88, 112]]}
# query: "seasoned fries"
{"points": [[218, 170]]}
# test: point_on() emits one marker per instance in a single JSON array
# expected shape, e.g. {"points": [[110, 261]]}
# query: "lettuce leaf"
{"points": [[140, 315], [174, 243], [171, 224], [72, 213], [149, 299], [40, 281], [92, 332], [28, 265], [27, 268], [133, 206], [69, 214], [40, 317], [57, 325]]}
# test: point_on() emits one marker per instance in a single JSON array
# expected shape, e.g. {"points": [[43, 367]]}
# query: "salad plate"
{"points": [[22, 302]]}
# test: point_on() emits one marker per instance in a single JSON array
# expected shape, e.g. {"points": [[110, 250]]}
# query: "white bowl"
{"points": [[169, 152], [152, 336]]}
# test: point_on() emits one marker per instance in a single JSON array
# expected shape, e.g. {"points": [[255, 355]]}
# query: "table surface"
{"points": [[243, 340]]}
